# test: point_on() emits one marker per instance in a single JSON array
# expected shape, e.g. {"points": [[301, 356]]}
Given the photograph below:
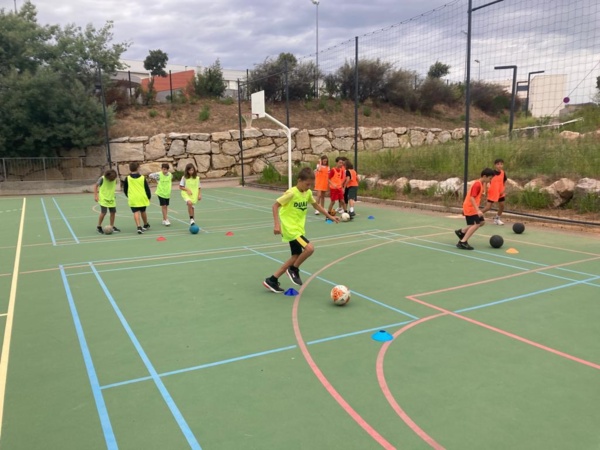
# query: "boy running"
{"points": [[289, 217], [473, 215]]}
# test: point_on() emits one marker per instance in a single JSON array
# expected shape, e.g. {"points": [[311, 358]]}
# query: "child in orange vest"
{"points": [[473, 215], [351, 191], [337, 179], [495, 192], [322, 181]]}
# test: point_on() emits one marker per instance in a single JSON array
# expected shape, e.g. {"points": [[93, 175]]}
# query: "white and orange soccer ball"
{"points": [[340, 295]]}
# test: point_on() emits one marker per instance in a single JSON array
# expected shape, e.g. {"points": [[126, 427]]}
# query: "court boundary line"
{"points": [[48, 222], [65, 220], [10, 315], [162, 389]]}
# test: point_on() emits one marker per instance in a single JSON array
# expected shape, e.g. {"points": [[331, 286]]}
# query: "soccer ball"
{"points": [[340, 295], [194, 229], [345, 217], [107, 229], [496, 241]]}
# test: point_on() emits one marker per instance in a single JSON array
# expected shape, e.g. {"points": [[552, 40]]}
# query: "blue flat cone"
{"points": [[328, 221], [371, 217], [382, 336], [291, 292]]}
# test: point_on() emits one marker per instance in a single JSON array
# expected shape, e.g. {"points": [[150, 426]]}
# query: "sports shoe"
{"points": [[140, 230], [273, 286], [166, 223], [99, 230], [464, 246], [116, 230], [497, 221], [317, 213], [146, 226], [340, 210], [192, 222], [459, 233], [352, 214], [294, 275]]}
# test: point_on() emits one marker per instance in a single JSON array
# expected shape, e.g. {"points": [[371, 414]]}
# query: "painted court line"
{"points": [[10, 314], [48, 222], [183, 425], [65, 220], [109, 435]]}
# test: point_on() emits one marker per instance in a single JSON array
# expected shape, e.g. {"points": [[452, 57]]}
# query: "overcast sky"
{"points": [[558, 36], [238, 32]]}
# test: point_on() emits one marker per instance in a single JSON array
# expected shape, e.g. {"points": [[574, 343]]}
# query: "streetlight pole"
{"points": [[514, 94], [528, 81], [103, 98], [316, 3], [479, 66], [468, 90]]}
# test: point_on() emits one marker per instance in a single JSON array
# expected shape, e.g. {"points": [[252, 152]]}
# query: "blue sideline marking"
{"points": [[48, 222], [65, 219], [187, 432], [109, 436]]}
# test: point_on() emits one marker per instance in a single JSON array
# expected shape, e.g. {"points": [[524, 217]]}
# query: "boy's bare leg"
{"points": [[165, 211], [145, 217], [101, 218], [112, 219], [136, 218]]}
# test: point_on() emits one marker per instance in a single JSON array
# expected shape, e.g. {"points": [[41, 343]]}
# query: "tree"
{"points": [[270, 77], [210, 83], [438, 70], [155, 63], [48, 79]]}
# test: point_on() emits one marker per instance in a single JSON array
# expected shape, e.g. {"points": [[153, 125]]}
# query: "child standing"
{"points": [[322, 181], [337, 178], [104, 195], [289, 216], [164, 179], [138, 195], [351, 191], [190, 189], [473, 215], [495, 193]]}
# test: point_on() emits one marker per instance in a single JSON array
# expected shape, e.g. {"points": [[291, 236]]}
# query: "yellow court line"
{"points": [[9, 318], [2, 315]]}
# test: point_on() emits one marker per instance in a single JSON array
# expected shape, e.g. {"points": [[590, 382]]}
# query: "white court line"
{"points": [[9, 318]]}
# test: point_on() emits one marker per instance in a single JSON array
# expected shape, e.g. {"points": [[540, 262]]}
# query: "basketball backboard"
{"points": [[258, 104]]}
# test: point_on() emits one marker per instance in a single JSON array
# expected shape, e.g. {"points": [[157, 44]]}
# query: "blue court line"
{"points": [[486, 260], [333, 284], [65, 219], [48, 222], [109, 436], [531, 294], [187, 432], [252, 355]]}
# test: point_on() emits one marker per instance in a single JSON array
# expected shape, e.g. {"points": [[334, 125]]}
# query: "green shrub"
{"points": [[204, 113], [153, 113], [366, 111]]}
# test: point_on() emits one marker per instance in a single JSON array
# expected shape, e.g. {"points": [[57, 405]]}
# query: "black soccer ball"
{"points": [[496, 241], [518, 228]]}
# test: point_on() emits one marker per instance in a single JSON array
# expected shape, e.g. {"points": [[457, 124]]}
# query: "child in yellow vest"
{"points": [[163, 190], [104, 195], [190, 189], [138, 195], [289, 216]]}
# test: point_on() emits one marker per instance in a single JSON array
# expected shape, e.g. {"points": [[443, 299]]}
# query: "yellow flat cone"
{"points": [[512, 251]]}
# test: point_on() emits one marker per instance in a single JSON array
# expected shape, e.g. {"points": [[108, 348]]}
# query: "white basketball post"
{"points": [[258, 110]]}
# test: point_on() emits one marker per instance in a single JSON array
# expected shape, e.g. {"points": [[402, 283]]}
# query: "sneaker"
{"points": [[166, 223], [294, 275], [140, 230], [146, 226], [116, 230], [273, 286], [352, 214], [340, 210], [497, 221], [192, 222], [99, 230], [459, 233], [464, 246]]}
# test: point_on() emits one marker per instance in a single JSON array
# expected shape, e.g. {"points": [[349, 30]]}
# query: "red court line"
{"points": [[388, 394], [508, 334]]}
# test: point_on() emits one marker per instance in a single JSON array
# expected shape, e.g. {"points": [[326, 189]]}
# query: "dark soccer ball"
{"points": [[518, 228], [496, 241]]}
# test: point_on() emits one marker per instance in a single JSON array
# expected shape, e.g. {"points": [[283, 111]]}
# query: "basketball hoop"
{"points": [[248, 118]]}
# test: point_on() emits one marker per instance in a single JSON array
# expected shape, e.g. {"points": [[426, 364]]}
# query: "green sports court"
{"points": [[168, 340]]}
